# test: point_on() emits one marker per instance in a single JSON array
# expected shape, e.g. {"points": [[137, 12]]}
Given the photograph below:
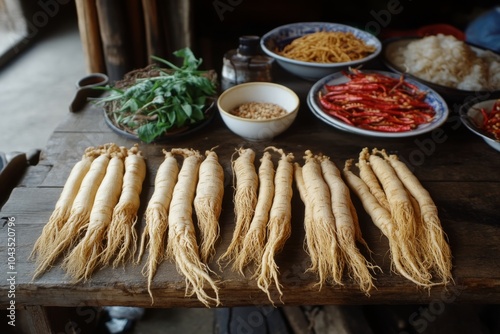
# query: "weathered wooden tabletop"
{"points": [[460, 171]]}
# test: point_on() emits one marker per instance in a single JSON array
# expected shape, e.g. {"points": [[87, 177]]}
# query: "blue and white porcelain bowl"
{"points": [[472, 117], [432, 98], [277, 38]]}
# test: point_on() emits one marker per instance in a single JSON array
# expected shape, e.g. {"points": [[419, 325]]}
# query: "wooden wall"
{"points": [[125, 33]]}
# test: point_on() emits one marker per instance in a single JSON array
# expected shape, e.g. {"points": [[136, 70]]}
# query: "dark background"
{"points": [[219, 23]]}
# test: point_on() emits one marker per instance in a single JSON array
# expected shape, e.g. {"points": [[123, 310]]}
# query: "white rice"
{"points": [[447, 61]]}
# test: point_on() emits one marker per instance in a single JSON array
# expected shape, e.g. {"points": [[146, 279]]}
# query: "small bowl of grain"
{"points": [[258, 111]]}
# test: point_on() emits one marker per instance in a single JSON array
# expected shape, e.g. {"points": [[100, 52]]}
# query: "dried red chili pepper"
{"points": [[386, 128], [491, 120], [377, 102]]}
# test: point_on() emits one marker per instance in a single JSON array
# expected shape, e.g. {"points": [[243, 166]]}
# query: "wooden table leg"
{"points": [[55, 320], [34, 319]]}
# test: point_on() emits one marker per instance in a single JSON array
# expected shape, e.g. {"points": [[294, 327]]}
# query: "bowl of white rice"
{"points": [[455, 69]]}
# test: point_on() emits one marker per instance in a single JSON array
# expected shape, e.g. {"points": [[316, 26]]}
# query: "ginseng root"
{"points": [[279, 226], [85, 257], [321, 236], [404, 263], [255, 239], [245, 200], [346, 226], [182, 245], [122, 236], [309, 243], [80, 211], [436, 245], [368, 176], [402, 213], [62, 209], [156, 216], [208, 203]]}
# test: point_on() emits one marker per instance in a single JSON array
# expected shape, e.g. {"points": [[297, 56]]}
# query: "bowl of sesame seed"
{"points": [[258, 111]]}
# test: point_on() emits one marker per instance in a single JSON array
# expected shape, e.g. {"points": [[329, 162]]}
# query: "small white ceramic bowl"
{"points": [[472, 118], [277, 38], [264, 92]]}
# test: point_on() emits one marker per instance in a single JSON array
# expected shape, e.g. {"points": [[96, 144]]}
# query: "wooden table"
{"points": [[458, 168]]}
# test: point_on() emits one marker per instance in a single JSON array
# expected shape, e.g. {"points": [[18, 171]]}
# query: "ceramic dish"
{"points": [[449, 93], [325, 118], [174, 135], [283, 35], [263, 92], [472, 116], [432, 97]]}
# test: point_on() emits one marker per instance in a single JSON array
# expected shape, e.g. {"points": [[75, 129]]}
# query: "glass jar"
{"points": [[245, 64]]}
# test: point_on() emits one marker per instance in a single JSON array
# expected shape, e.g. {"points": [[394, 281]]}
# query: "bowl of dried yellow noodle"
{"points": [[313, 50]]}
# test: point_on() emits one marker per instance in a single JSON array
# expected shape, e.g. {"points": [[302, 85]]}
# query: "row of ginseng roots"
{"points": [[93, 222]]}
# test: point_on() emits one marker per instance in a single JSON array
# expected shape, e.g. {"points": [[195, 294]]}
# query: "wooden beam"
{"points": [[115, 35], [88, 25], [155, 39]]}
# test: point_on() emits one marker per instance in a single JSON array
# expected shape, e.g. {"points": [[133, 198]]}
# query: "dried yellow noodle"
{"points": [[327, 47]]}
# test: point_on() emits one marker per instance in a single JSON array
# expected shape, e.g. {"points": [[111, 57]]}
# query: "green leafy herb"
{"points": [[168, 101]]}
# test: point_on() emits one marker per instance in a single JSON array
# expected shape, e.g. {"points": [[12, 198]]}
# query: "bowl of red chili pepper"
{"points": [[483, 118], [377, 104]]}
